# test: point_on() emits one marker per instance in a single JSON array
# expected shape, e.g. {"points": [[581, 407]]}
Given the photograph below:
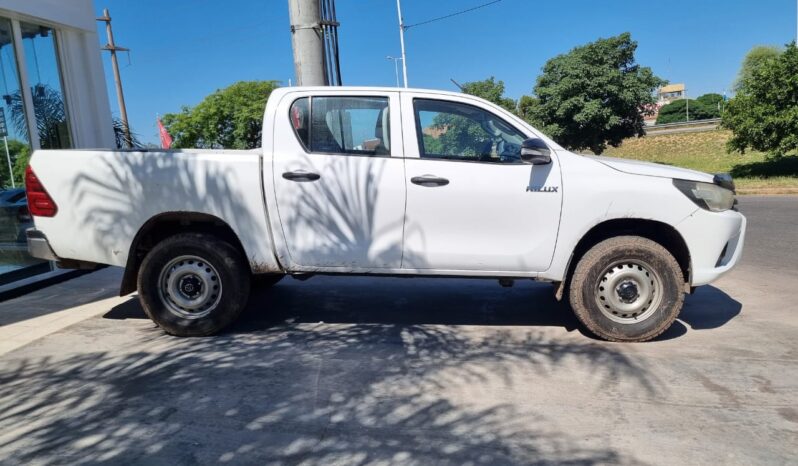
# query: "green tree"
{"points": [[490, 90], [676, 111], [20, 156], [229, 118], [19, 153], [755, 57], [763, 116], [527, 109], [592, 96], [711, 100]]}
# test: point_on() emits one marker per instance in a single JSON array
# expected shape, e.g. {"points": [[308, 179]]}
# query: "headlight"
{"points": [[706, 195]]}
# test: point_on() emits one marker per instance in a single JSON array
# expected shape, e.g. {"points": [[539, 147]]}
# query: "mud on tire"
{"points": [[627, 288]]}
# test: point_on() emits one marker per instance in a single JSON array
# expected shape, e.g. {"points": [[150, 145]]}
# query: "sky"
{"points": [[183, 50]]}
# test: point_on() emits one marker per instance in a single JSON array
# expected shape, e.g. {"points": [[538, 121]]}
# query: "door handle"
{"points": [[429, 181], [301, 176]]}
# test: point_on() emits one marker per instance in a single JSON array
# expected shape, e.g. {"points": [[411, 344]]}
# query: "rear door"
{"points": [[339, 180], [472, 204]]}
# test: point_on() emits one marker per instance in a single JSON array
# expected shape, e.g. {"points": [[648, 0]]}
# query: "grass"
{"points": [[706, 151]]}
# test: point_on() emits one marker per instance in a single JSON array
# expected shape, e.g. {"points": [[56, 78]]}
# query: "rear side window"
{"points": [[300, 116], [343, 125]]}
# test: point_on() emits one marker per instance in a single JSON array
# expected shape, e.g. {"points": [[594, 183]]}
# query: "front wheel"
{"points": [[193, 284], [627, 288]]}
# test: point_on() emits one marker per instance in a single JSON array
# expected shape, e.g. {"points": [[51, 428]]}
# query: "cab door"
{"points": [[338, 174], [472, 204]]}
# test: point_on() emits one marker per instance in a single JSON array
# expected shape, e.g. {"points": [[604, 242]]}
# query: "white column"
{"points": [[24, 84]]}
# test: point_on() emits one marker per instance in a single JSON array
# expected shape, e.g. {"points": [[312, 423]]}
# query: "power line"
{"points": [[450, 15]]}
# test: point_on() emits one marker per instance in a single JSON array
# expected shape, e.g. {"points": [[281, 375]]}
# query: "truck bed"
{"points": [[105, 197]]}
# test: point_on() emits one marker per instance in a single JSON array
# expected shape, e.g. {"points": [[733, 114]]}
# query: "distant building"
{"points": [[665, 95], [669, 93]]}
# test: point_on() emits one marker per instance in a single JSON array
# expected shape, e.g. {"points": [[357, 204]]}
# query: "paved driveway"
{"points": [[412, 371]]}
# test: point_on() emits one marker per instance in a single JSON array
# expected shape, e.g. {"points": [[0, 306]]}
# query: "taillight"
{"points": [[40, 203]]}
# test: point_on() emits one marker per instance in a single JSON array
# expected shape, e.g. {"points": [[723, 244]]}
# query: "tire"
{"points": [[193, 284], [627, 288], [266, 280]]}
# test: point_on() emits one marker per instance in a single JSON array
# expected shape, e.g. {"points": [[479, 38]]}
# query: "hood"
{"points": [[637, 167]]}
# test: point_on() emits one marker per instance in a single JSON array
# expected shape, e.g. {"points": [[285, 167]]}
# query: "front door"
{"points": [[339, 181], [472, 204]]}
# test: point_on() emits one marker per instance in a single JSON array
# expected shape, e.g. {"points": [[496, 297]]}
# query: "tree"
{"points": [[711, 100], [229, 118], [755, 57], [490, 90], [676, 111], [592, 96], [763, 116], [50, 115], [19, 152], [526, 109], [121, 135]]}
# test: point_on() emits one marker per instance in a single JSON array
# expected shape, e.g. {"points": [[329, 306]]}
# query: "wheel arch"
{"points": [[662, 233], [168, 224]]}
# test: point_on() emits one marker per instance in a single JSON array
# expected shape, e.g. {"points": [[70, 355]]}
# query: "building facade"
{"points": [[670, 93], [52, 95], [665, 95]]}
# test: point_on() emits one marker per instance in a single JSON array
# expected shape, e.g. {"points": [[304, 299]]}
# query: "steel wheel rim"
{"points": [[190, 287], [628, 291]]}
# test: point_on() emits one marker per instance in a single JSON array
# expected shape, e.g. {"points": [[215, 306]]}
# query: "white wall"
{"points": [[77, 14], [81, 64]]}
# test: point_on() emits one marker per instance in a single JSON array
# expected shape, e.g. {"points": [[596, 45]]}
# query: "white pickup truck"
{"points": [[386, 181]]}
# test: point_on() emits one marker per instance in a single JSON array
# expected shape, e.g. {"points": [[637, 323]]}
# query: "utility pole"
{"points": [[395, 67], [307, 41], [120, 96], [402, 40], [687, 104]]}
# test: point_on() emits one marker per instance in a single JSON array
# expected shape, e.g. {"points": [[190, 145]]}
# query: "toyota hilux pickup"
{"points": [[393, 182]]}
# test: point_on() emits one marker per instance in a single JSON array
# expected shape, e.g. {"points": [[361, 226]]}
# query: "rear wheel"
{"points": [[627, 288], [193, 284]]}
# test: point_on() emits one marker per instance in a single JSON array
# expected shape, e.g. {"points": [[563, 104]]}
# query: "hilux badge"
{"points": [[542, 189]]}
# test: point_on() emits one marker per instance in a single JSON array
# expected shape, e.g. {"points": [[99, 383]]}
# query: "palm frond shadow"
{"points": [[311, 394], [280, 386]]}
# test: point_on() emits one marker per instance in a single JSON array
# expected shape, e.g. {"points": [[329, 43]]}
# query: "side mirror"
{"points": [[535, 151]]}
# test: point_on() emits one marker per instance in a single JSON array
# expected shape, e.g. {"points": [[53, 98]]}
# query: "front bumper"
{"points": [[715, 241], [38, 246]]}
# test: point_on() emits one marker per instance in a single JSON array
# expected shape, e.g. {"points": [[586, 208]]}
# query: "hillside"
{"points": [[706, 151]]}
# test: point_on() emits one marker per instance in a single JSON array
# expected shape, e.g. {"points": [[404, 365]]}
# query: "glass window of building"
{"points": [[14, 155], [44, 76]]}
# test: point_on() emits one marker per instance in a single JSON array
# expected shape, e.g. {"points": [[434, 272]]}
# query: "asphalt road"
{"points": [[418, 371], [772, 232]]}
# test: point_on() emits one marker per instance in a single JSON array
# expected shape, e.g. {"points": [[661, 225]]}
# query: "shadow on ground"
{"points": [[775, 166], [406, 301], [374, 383]]}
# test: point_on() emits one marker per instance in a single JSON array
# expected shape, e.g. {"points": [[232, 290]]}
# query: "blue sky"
{"points": [[182, 50]]}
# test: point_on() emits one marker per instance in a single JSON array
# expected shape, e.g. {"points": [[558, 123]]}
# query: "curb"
{"points": [[37, 282]]}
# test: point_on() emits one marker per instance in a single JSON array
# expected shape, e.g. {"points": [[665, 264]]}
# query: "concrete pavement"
{"points": [[419, 371]]}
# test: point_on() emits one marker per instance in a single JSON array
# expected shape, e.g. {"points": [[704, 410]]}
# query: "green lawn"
{"points": [[706, 151]]}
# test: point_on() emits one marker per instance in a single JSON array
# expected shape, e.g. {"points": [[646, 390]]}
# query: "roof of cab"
{"points": [[365, 89]]}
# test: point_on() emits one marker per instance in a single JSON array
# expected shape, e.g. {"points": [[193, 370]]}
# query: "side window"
{"points": [[450, 130], [343, 125], [300, 116]]}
